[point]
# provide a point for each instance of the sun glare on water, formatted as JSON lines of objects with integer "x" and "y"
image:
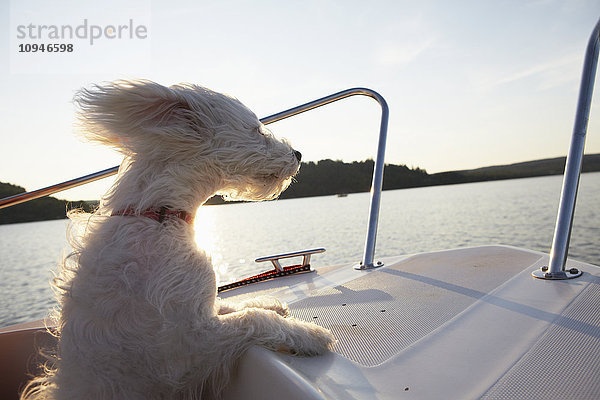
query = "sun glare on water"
{"x": 204, "y": 227}
{"x": 207, "y": 239}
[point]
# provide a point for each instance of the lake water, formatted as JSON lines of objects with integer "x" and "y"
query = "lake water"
{"x": 519, "y": 212}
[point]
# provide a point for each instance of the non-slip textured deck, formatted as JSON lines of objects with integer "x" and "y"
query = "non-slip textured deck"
{"x": 378, "y": 315}
{"x": 566, "y": 359}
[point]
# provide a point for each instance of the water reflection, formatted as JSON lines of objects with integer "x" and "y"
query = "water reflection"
{"x": 207, "y": 239}
{"x": 518, "y": 212}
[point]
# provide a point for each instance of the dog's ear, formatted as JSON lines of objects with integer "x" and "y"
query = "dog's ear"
{"x": 128, "y": 115}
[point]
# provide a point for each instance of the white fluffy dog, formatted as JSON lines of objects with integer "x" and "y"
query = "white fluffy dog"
{"x": 139, "y": 316}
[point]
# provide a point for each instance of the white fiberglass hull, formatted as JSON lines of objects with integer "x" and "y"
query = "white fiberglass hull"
{"x": 458, "y": 324}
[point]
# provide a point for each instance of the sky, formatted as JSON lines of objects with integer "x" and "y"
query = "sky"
{"x": 468, "y": 83}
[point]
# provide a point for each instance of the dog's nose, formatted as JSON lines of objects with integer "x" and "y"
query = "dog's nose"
{"x": 298, "y": 155}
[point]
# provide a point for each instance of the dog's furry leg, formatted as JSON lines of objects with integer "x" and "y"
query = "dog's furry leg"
{"x": 269, "y": 329}
{"x": 266, "y": 303}
{"x": 223, "y": 307}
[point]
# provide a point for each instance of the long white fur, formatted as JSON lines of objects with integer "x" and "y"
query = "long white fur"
{"x": 139, "y": 317}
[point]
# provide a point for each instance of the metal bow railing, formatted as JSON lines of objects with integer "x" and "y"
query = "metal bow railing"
{"x": 376, "y": 187}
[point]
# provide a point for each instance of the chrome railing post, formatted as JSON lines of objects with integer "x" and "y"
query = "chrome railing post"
{"x": 566, "y": 209}
{"x": 376, "y": 188}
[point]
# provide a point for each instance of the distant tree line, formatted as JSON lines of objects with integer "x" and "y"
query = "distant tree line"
{"x": 42, "y": 209}
{"x": 528, "y": 169}
{"x": 326, "y": 177}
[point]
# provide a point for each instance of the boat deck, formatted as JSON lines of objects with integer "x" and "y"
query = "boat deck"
{"x": 458, "y": 324}
{"x": 465, "y": 323}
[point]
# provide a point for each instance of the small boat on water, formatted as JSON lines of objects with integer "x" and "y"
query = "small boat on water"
{"x": 492, "y": 322}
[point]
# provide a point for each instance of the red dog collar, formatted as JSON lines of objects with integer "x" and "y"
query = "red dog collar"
{"x": 158, "y": 214}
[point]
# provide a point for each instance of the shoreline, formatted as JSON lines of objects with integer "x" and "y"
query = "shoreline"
{"x": 324, "y": 178}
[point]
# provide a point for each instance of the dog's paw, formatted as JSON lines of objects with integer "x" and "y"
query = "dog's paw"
{"x": 316, "y": 341}
{"x": 268, "y": 303}
{"x": 280, "y": 308}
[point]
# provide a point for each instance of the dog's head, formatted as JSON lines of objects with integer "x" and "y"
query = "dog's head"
{"x": 199, "y": 135}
